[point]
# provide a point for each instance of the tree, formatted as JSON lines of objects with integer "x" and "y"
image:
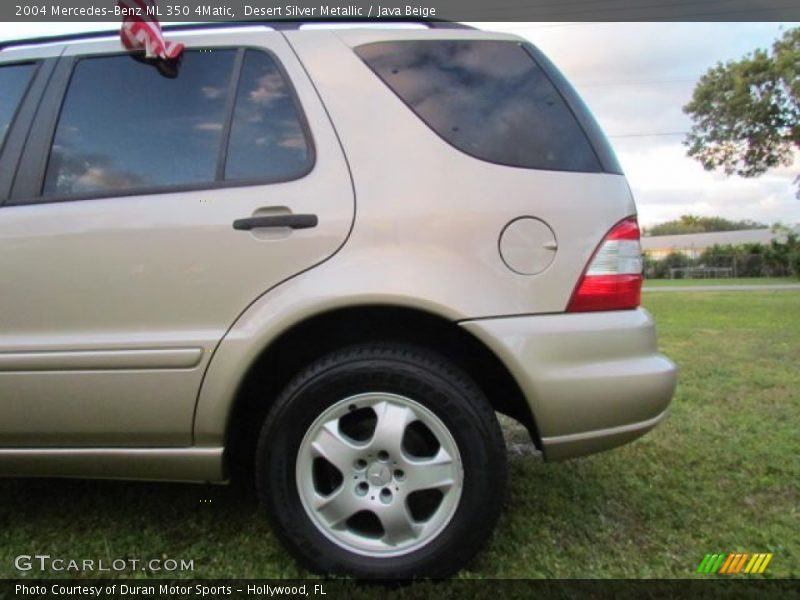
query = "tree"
{"x": 746, "y": 113}
{"x": 795, "y": 263}
{"x": 660, "y": 269}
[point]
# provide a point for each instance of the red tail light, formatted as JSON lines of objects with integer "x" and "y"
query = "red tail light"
{"x": 613, "y": 278}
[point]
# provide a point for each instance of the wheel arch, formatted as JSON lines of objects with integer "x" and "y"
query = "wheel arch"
{"x": 322, "y": 332}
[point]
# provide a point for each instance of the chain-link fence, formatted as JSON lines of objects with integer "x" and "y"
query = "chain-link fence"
{"x": 680, "y": 266}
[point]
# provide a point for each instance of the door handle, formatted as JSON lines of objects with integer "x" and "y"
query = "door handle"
{"x": 291, "y": 221}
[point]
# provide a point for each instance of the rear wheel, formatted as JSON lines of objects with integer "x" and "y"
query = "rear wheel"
{"x": 382, "y": 461}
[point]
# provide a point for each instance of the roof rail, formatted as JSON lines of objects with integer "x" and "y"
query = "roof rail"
{"x": 276, "y": 25}
{"x": 431, "y": 24}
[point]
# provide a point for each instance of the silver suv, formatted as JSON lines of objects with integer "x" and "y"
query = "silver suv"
{"x": 327, "y": 257}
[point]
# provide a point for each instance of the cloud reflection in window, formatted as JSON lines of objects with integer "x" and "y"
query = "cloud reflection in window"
{"x": 267, "y": 139}
{"x": 124, "y": 126}
{"x": 487, "y": 98}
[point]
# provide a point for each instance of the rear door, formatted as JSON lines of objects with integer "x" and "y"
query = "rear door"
{"x": 119, "y": 260}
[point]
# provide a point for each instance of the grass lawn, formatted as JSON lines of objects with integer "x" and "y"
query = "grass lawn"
{"x": 653, "y": 283}
{"x": 721, "y": 474}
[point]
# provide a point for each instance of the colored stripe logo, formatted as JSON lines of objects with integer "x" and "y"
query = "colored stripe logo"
{"x": 735, "y": 562}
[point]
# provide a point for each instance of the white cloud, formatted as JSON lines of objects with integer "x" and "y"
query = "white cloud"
{"x": 667, "y": 184}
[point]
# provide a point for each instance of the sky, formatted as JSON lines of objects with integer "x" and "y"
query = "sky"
{"x": 636, "y": 77}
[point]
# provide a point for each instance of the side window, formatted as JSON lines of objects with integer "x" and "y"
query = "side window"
{"x": 124, "y": 126}
{"x": 489, "y": 99}
{"x": 14, "y": 80}
{"x": 267, "y": 137}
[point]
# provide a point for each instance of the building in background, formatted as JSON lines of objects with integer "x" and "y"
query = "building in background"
{"x": 745, "y": 253}
{"x": 692, "y": 245}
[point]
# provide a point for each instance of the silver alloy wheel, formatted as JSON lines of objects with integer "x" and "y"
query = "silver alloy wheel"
{"x": 380, "y": 475}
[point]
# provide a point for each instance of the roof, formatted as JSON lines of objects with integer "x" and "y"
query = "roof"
{"x": 704, "y": 240}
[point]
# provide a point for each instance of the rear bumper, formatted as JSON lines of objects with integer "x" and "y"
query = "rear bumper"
{"x": 592, "y": 380}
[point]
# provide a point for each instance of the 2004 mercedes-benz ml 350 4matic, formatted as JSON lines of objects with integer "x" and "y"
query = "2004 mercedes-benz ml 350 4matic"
{"x": 335, "y": 252}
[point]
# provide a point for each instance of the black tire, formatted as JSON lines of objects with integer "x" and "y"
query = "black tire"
{"x": 431, "y": 381}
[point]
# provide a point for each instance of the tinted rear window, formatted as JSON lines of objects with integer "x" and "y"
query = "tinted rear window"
{"x": 489, "y": 99}
{"x": 14, "y": 81}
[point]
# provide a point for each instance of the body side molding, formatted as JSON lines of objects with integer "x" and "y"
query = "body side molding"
{"x": 190, "y": 464}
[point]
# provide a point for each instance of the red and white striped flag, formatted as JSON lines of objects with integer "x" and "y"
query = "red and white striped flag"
{"x": 142, "y": 31}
